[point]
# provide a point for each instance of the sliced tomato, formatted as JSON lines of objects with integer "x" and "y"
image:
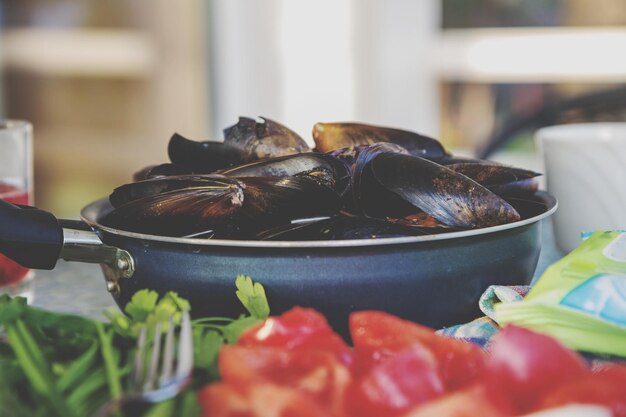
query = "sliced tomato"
{"x": 256, "y": 400}
{"x": 405, "y": 379}
{"x": 318, "y": 374}
{"x": 527, "y": 364}
{"x": 377, "y": 335}
{"x": 298, "y": 328}
{"x": 606, "y": 387}
{"x": 476, "y": 400}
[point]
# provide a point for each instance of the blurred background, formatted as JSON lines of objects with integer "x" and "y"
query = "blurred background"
{"x": 107, "y": 83}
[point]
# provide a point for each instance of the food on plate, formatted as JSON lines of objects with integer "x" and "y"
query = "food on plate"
{"x": 400, "y": 368}
{"x": 294, "y": 364}
{"x": 539, "y": 364}
{"x": 356, "y": 170}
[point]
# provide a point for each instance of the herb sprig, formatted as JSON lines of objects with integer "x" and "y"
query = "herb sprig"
{"x": 57, "y": 364}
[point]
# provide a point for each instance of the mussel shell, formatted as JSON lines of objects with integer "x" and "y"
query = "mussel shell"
{"x": 350, "y": 155}
{"x": 451, "y": 198}
{"x": 370, "y": 197}
{"x": 291, "y": 165}
{"x": 423, "y": 221}
{"x": 175, "y": 206}
{"x": 272, "y": 201}
{"x": 502, "y": 180}
{"x": 521, "y": 188}
{"x": 263, "y": 138}
{"x": 149, "y": 187}
{"x": 162, "y": 170}
{"x": 202, "y": 157}
{"x": 487, "y": 174}
{"x": 339, "y": 227}
{"x": 331, "y": 136}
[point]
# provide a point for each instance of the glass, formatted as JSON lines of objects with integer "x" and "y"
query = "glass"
{"x": 16, "y": 186}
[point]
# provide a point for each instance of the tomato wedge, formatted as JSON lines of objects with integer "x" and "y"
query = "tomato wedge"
{"x": 527, "y": 364}
{"x": 317, "y": 374}
{"x": 298, "y": 328}
{"x": 475, "y": 400}
{"x": 257, "y": 400}
{"x": 606, "y": 387}
{"x": 403, "y": 380}
{"x": 377, "y": 335}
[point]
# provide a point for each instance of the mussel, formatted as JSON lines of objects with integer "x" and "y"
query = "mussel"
{"x": 175, "y": 206}
{"x": 501, "y": 179}
{"x": 331, "y": 136}
{"x": 202, "y": 157}
{"x": 297, "y": 164}
{"x": 246, "y": 141}
{"x": 451, "y": 198}
{"x": 263, "y": 138}
{"x": 272, "y": 201}
{"x": 340, "y": 227}
{"x": 161, "y": 170}
{"x": 365, "y": 182}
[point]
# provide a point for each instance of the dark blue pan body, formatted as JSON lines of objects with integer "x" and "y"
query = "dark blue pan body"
{"x": 435, "y": 280}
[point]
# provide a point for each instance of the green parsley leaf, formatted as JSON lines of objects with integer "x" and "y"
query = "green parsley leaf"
{"x": 141, "y": 305}
{"x": 252, "y": 296}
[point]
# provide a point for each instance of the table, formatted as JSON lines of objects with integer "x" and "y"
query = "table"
{"x": 80, "y": 288}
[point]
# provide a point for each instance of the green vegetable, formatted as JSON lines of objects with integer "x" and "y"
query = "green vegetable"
{"x": 55, "y": 364}
{"x": 252, "y": 296}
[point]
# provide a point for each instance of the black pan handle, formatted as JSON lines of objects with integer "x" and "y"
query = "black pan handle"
{"x": 30, "y": 236}
{"x": 36, "y": 239}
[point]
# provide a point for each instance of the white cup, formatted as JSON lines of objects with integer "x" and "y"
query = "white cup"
{"x": 585, "y": 167}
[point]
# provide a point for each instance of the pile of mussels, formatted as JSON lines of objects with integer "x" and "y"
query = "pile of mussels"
{"x": 263, "y": 182}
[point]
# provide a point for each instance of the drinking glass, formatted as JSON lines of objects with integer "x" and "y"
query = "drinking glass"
{"x": 16, "y": 186}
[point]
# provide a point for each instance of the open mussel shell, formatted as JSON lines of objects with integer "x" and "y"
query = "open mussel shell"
{"x": 291, "y": 165}
{"x": 502, "y": 180}
{"x": 202, "y": 157}
{"x": 263, "y": 138}
{"x": 175, "y": 206}
{"x": 272, "y": 201}
{"x": 339, "y": 227}
{"x": 161, "y": 170}
{"x": 330, "y": 136}
{"x": 149, "y": 187}
{"x": 370, "y": 197}
{"x": 451, "y": 198}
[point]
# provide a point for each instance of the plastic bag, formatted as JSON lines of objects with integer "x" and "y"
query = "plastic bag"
{"x": 581, "y": 299}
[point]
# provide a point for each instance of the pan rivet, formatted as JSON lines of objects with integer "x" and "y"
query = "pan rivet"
{"x": 113, "y": 288}
{"x": 122, "y": 264}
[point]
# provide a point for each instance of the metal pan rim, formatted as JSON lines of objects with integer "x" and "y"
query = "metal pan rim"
{"x": 90, "y": 213}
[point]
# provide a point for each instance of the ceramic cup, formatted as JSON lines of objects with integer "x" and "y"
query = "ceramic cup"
{"x": 585, "y": 168}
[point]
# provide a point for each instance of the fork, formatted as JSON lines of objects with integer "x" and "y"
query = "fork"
{"x": 167, "y": 373}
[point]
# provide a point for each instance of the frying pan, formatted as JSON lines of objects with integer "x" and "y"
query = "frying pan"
{"x": 435, "y": 280}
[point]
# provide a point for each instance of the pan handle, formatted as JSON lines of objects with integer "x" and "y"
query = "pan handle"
{"x": 29, "y": 236}
{"x": 36, "y": 239}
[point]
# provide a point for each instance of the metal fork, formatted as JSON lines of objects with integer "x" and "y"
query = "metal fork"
{"x": 166, "y": 374}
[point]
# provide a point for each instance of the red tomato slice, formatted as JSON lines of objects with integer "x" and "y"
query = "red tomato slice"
{"x": 377, "y": 335}
{"x": 526, "y": 364}
{"x": 606, "y": 387}
{"x": 403, "y": 380}
{"x": 257, "y": 400}
{"x": 298, "y": 328}
{"x": 317, "y": 374}
{"x": 475, "y": 400}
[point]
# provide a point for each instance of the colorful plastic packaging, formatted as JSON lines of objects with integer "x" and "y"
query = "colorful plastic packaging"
{"x": 581, "y": 299}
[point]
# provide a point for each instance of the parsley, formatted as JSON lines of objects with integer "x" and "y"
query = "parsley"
{"x": 252, "y": 296}
{"x": 57, "y": 364}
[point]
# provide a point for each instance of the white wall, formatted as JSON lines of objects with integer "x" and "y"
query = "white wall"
{"x": 304, "y": 61}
